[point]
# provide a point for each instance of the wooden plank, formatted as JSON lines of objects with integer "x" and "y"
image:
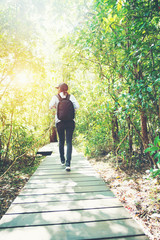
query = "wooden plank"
{"x": 60, "y": 171}
{"x": 47, "y": 149}
{"x": 139, "y": 237}
{"x": 49, "y": 183}
{"x": 65, "y": 175}
{"x": 92, "y": 230}
{"x": 62, "y": 184}
{"x": 58, "y": 163}
{"x": 79, "y": 180}
{"x": 75, "y": 157}
{"x": 65, "y": 206}
{"x": 67, "y": 189}
{"x": 55, "y": 159}
{"x": 56, "y": 156}
{"x": 63, "y": 197}
{"x": 63, "y": 217}
{"x": 58, "y": 166}
{"x": 68, "y": 176}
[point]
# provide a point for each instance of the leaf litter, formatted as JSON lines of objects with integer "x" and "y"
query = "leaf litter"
{"x": 138, "y": 194}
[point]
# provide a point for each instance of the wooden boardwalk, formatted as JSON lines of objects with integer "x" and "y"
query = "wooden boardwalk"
{"x": 60, "y": 205}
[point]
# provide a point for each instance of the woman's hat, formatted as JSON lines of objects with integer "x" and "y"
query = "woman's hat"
{"x": 63, "y": 87}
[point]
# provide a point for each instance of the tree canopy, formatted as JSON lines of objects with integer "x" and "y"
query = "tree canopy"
{"x": 107, "y": 52}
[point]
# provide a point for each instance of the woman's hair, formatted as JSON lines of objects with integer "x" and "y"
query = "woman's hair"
{"x": 63, "y": 88}
{"x": 65, "y": 93}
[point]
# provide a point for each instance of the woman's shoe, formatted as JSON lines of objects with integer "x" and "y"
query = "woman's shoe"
{"x": 68, "y": 169}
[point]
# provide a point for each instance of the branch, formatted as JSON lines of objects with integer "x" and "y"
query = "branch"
{"x": 89, "y": 60}
{"x": 128, "y": 118}
{"x": 33, "y": 146}
{"x": 121, "y": 143}
{"x": 5, "y": 75}
{"x": 10, "y": 135}
{"x": 5, "y": 90}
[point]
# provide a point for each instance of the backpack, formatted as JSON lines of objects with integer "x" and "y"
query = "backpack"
{"x": 65, "y": 109}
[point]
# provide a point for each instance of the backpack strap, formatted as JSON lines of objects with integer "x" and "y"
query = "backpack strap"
{"x": 68, "y": 96}
{"x": 60, "y": 98}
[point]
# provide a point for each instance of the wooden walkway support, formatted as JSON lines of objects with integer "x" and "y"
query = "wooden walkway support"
{"x": 60, "y": 205}
{"x": 47, "y": 149}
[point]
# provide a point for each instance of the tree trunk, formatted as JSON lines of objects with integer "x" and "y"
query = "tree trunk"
{"x": 144, "y": 128}
{"x": 145, "y": 135}
{"x": 115, "y": 131}
{"x": 130, "y": 139}
{"x": 159, "y": 109}
{"x": 159, "y": 115}
{"x": 53, "y": 135}
{"x": 9, "y": 139}
{"x": 0, "y": 148}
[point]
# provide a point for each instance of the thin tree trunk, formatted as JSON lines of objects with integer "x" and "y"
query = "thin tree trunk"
{"x": 115, "y": 131}
{"x": 159, "y": 110}
{"x": 9, "y": 139}
{"x": 145, "y": 139}
{"x": 130, "y": 139}
{"x": 0, "y": 148}
{"x": 159, "y": 115}
{"x": 144, "y": 128}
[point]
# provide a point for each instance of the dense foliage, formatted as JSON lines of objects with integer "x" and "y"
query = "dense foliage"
{"x": 30, "y": 67}
{"x": 23, "y": 94}
{"x": 116, "y": 50}
{"x": 109, "y": 57}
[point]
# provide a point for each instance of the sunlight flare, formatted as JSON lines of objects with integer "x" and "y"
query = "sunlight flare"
{"x": 23, "y": 78}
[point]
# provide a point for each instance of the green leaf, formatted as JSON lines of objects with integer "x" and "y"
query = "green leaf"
{"x": 149, "y": 89}
{"x": 150, "y": 144}
{"x": 157, "y": 141}
{"x": 157, "y": 155}
{"x": 155, "y": 148}
{"x": 147, "y": 150}
{"x": 152, "y": 149}
{"x": 152, "y": 152}
{"x": 119, "y": 5}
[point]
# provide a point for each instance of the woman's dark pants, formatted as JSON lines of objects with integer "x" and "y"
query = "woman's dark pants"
{"x": 65, "y": 129}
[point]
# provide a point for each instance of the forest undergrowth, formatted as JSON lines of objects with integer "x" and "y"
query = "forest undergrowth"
{"x": 13, "y": 181}
{"x": 138, "y": 193}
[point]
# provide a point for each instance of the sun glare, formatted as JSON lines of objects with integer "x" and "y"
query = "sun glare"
{"x": 23, "y": 78}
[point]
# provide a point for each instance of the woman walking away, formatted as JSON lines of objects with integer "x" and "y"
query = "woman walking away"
{"x": 65, "y": 105}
